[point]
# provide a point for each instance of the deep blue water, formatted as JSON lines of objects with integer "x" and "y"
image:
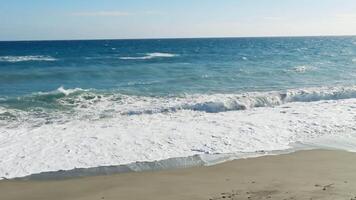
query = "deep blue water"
{"x": 176, "y": 66}
{"x": 46, "y": 82}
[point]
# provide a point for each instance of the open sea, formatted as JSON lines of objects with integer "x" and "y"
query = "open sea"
{"x": 72, "y": 104}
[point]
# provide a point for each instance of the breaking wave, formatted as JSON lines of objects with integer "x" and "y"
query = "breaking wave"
{"x": 14, "y": 59}
{"x": 79, "y": 124}
{"x": 150, "y": 56}
{"x": 232, "y": 102}
{"x": 111, "y": 103}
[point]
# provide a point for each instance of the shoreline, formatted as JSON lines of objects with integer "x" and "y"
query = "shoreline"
{"x": 307, "y": 174}
{"x": 199, "y": 160}
{"x": 176, "y": 163}
{"x": 87, "y": 143}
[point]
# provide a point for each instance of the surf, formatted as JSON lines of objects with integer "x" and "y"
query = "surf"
{"x": 14, "y": 59}
{"x": 149, "y": 56}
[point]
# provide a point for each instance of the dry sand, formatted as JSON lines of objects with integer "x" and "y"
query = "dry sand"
{"x": 307, "y": 175}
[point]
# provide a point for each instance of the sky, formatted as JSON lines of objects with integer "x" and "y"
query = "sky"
{"x": 124, "y": 19}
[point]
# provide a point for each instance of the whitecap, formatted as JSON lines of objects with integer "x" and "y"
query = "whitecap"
{"x": 216, "y": 103}
{"x": 210, "y": 103}
{"x": 68, "y": 91}
{"x": 90, "y": 101}
{"x": 26, "y": 58}
{"x": 150, "y": 56}
{"x": 60, "y": 90}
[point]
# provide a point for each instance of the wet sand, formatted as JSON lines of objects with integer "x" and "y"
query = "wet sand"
{"x": 318, "y": 174}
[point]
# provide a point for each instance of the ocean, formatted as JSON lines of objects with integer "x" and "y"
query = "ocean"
{"x": 89, "y": 103}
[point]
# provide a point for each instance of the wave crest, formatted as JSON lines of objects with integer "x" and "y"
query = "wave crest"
{"x": 13, "y": 59}
{"x": 64, "y": 105}
{"x": 98, "y": 104}
{"x": 68, "y": 91}
{"x": 150, "y": 56}
{"x": 232, "y": 102}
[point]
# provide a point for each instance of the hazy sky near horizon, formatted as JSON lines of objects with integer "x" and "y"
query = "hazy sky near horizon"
{"x": 99, "y": 19}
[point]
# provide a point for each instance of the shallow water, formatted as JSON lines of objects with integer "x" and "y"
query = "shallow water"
{"x": 67, "y": 104}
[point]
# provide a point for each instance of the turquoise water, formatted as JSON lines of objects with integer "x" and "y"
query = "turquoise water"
{"x": 176, "y": 66}
{"x": 32, "y": 72}
{"x": 83, "y": 104}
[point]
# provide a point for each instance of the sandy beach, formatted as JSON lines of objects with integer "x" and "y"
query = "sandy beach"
{"x": 318, "y": 174}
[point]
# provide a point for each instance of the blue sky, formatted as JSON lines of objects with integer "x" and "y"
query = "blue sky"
{"x": 101, "y": 19}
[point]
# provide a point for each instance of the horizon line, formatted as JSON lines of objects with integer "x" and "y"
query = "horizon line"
{"x": 176, "y": 38}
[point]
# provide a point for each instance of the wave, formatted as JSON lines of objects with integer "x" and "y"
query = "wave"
{"x": 79, "y": 142}
{"x": 68, "y": 91}
{"x": 233, "y": 102}
{"x": 150, "y": 56}
{"x": 26, "y": 58}
{"x": 98, "y": 102}
{"x": 141, "y": 128}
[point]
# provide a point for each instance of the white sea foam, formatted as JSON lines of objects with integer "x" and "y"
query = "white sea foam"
{"x": 126, "y": 139}
{"x": 354, "y": 60}
{"x": 88, "y": 101}
{"x": 99, "y": 133}
{"x": 60, "y": 90}
{"x": 150, "y": 56}
{"x": 230, "y": 102}
{"x": 26, "y": 58}
{"x": 68, "y": 91}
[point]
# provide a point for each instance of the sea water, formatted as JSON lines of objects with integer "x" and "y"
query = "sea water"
{"x": 70, "y": 104}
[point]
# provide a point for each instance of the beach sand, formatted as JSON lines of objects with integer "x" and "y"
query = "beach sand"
{"x": 317, "y": 174}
